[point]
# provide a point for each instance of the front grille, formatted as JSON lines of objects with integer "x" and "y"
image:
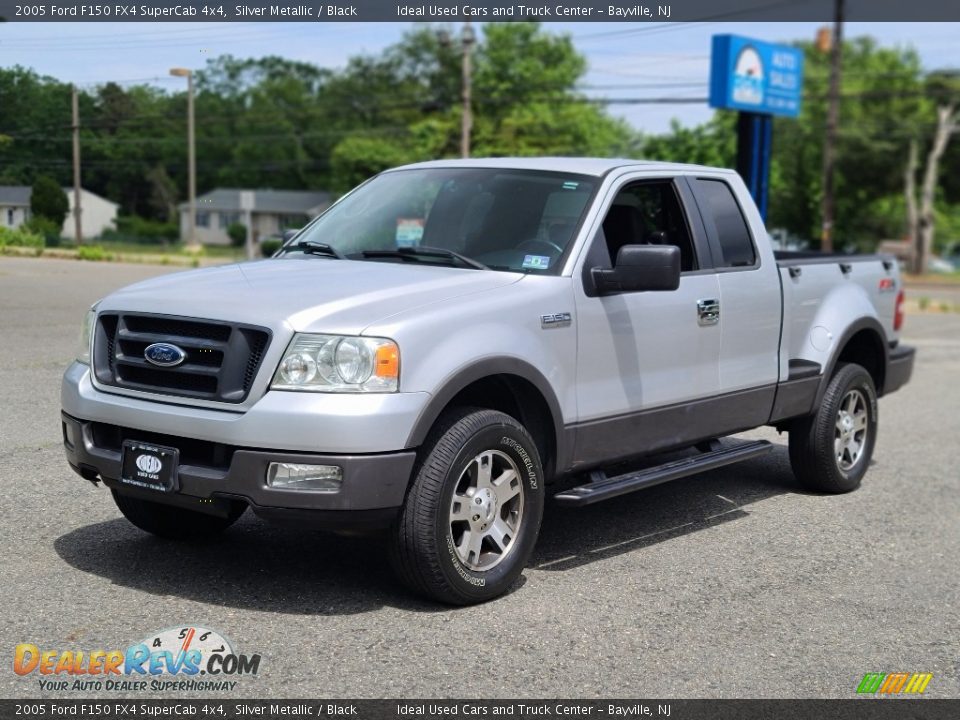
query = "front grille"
{"x": 222, "y": 359}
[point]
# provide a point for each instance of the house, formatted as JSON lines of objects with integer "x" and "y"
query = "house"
{"x": 98, "y": 214}
{"x": 271, "y": 212}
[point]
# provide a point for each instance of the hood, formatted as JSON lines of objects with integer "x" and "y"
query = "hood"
{"x": 307, "y": 295}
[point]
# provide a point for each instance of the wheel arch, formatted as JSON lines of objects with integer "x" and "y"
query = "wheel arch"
{"x": 863, "y": 342}
{"x": 509, "y": 385}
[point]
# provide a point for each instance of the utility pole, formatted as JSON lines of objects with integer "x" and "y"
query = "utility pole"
{"x": 77, "y": 225}
{"x": 466, "y": 121}
{"x": 830, "y": 140}
{"x": 191, "y": 158}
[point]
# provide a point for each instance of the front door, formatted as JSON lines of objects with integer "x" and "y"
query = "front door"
{"x": 643, "y": 351}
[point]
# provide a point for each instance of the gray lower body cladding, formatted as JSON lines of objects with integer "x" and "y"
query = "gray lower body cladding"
{"x": 210, "y": 476}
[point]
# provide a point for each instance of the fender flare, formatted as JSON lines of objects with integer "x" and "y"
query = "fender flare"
{"x": 488, "y": 367}
{"x": 864, "y": 323}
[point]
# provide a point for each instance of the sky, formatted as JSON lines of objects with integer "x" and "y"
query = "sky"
{"x": 626, "y": 60}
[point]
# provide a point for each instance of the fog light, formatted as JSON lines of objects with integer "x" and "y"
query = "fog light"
{"x": 68, "y": 435}
{"x": 313, "y": 478}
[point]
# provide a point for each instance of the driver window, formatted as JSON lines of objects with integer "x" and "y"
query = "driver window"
{"x": 648, "y": 213}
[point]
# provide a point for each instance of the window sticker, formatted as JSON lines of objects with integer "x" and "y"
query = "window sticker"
{"x": 535, "y": 262}
{"x": 570, "y": 185}
{"x": 409, "y": 232}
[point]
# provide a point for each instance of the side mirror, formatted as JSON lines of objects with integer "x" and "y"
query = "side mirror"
{"x": 287, "y": 234}
{"x": 640, "y": 268}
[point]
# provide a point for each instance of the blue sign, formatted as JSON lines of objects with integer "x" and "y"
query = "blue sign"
{"x": 755, "y": 76}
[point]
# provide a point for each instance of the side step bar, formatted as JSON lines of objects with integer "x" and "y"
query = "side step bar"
{"x": 602, "y": 487}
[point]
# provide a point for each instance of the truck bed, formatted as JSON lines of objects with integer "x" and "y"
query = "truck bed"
{"x": 817, "y": 287}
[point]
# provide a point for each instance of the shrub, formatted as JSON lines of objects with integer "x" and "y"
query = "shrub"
{"x": 47, "y": 199}
{"x": 21, "y": 237}
{"x": 269, "y": 246}
{"x": 93, "y": 252}
{"x": 238, "y": 234}
{"x": 135, "y": 229}
{"x": 46, "y": 228}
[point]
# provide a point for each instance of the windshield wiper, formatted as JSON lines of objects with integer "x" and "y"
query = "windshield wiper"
{"x": 312, "y": 247}
{"x": 424, "y": 251}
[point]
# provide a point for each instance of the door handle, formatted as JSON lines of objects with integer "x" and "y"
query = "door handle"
{"x": 708, "y": 311}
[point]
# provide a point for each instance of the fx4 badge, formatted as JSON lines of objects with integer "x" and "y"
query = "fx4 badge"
{"x": 555, "y": 320}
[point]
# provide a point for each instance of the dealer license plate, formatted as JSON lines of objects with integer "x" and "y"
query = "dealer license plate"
{"x": 153, "y": 467}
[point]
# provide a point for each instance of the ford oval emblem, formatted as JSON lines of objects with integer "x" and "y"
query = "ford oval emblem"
{"x": 164, "y": 354}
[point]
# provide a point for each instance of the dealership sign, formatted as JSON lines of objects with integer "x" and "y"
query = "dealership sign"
{"x": 755, "y": 76}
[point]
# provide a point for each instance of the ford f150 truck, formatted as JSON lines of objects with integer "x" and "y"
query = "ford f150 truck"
{"x": 454, "y": 341}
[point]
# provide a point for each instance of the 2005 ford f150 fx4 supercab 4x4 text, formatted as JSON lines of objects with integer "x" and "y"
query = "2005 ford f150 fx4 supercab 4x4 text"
{"x": 453, "y": 341}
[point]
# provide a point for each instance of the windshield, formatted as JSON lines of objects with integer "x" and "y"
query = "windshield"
{"x": 516, "y": 220}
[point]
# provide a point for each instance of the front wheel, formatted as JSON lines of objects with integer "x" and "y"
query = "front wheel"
{"x": 473, "y": 513}
{"x": 831, "y": 450}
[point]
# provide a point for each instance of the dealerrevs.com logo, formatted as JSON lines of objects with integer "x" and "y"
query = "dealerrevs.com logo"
{"x": 181, "y": 658}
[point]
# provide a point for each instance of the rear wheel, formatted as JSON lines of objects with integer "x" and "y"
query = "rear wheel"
{"x": 831, "y": 450}
{"x": 473, "y": 513}
{"x": 171, "y": 522}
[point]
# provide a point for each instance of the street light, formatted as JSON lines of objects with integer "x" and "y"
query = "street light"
{"x": 191, "y": 157}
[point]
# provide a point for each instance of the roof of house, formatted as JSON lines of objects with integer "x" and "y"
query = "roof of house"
{"x": 19, "y": 195}
{"x": 290, "y": 202}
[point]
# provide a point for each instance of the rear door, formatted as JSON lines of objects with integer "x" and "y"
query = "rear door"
{"x": 750, "y": 299}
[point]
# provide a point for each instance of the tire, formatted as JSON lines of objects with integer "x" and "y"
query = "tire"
{"x": 444, "y": 542}
{"x": 171, "y": 522}
{"x": 830, "y": 450}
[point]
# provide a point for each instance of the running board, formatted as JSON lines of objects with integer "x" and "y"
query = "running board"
{"x": 602, "y": 487}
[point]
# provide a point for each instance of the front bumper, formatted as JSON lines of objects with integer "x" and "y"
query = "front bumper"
{"x": 224, "y": 455}
{"x": 899, "y": 368}
{"x": 373, "y": 485}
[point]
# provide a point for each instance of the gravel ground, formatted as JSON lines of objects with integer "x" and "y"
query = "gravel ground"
{"x": 735, "y": 583}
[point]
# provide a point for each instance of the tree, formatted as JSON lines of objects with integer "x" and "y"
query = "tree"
{"x": 883, "y": 106}
{"x": 945, "y": 92}
{"x": 48, "y": 200}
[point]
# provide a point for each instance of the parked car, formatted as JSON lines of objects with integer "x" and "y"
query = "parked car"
{"x": 454, "y": 341}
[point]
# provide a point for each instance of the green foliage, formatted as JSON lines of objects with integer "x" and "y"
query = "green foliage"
{"x": 238, "y": 234}
{"x": 885, "y": 102}
{"x": 273, "y": 122}
{"x": 48, "y": 200}
{"x": 94, "y": 253}
{"x": 357, "y": 158}
{"x": 139, "y": 230}
{"x": 713, "y": 143}
{"x": 46, "y": 228}
{"x": 20, "y": 237}
{"x": 947, "y": 226}
{"x": 269, "y": 246}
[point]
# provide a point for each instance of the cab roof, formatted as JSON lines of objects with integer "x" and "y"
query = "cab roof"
{"x": 579, "y": 165}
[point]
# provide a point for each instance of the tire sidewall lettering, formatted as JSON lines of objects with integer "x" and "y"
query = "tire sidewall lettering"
{"x": 525, "y": 458}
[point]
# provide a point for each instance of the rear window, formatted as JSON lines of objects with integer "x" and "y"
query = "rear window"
{"x": 729, "y": 225}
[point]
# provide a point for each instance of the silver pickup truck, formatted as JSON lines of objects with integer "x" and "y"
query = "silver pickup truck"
{"x": 452, "y": 342}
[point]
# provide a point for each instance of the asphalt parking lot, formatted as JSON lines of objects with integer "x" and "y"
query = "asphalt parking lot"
{"x": 735, "y": 583}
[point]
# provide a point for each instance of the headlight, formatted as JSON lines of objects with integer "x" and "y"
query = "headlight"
{"x": 86, "y": 336}
{"x": 334, "y": 363}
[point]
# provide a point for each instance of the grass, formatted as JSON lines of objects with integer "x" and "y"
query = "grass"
{"x": 934, "y": 278}
{"x": 212, "y": 251}
{"x": 129, "y": 253}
